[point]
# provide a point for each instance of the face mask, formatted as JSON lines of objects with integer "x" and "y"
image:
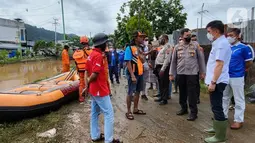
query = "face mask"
{"x": 210, "y": 36}
{"x": 146, "y": 43}
{"x": 231, "y": 40}
{"x": 187, "y": 39}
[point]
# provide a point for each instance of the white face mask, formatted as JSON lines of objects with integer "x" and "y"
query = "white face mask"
{"x": 146, "y": 43}
{"x": 231, "y": 40}
{"x": 210, "y": 36}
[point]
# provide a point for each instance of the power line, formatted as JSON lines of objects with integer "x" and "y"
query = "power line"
{"x": 28, "y": 9}
{"x": 86, "y": 10}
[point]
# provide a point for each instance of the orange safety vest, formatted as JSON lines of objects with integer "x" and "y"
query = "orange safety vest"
{"x": 137, "y": 65}
{"x": 80, "y": 57}
{"x": 80, "y": 60}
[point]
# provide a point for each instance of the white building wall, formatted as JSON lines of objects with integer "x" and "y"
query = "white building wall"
{"x": 11, "y": 31}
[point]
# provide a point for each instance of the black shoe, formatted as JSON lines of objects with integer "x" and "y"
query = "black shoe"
{"x": 112, "y": 82}
{"x": 163, "y": 102}
{"x": 156, "y": 95}
{"x": 158, "y": 100}
{"x": 192, "y": 117}
{"x": 118, "y": 82}
{"x": 182, "y": 112}
{"x": 169, "y": 97}
{"x": 198, "y": 101}
{"x": 150, "y": 88}
{"x": 144, "y": 97}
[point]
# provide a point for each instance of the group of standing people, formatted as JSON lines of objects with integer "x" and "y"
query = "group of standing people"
{"x": 183, "y": 63}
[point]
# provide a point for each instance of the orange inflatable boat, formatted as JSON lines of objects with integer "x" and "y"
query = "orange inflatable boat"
{"x": 38, "y": 98}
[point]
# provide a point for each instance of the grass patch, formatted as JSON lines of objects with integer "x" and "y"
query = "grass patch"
{"x": 203, "y": 87}
{"x": 25, "y": 131}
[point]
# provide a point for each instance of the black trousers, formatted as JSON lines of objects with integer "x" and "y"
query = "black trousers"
{"x": 164, "y": 84}
{"x": 198, "y": 87}
{"x": 216, "y": 102}
{"x": 156, "y": 72}
{"x": 113, "y": 70}
{"x": 188, "y": 90}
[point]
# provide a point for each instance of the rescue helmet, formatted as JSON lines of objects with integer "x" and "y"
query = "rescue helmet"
{"x": 100, "y": 39}
{"x": 84, "y": 39}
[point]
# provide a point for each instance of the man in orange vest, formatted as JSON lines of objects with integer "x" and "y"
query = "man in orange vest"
{"x": 65, "y": 60}
{"x": 134, "y": 58}
{"x": 80, "y": 57}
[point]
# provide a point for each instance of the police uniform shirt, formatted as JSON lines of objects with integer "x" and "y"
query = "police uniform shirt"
{"x": 168, "y": 58}
{"x": 187, "y": 59}
{"x": 162, "y": 55}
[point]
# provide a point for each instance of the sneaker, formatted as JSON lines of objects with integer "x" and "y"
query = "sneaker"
{"x": 144, "y": 97}
{"x": 232, "y": 107}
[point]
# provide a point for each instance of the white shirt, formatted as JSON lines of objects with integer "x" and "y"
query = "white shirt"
{"x": 221, "y": 50}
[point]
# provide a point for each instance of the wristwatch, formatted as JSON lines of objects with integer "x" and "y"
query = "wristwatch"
{"x": 213, "y": 82}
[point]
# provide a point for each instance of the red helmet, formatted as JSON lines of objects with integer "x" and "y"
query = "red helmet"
{"x": 84, "y": 39}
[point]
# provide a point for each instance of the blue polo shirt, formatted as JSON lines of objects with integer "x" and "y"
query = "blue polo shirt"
{"x": 240, "y": 54}
{"x": 121, "y": 56}
{"x": 113, "y": 60}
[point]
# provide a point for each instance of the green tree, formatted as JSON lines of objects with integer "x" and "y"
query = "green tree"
{"x": 39, "y": 45}
{"x": 3, "y": 55}
{"x": 50, "y": 44}
{"x": 164, "y": 16}
{"x": 133, "y": 25}
{"x": 74, "y": 41}
{"x": 28, "y": 52}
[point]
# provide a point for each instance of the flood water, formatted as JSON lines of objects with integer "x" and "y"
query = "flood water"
{"x": 13, "y": 75}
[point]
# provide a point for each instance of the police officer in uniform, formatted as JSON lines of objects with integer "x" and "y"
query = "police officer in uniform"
{"x": 187, "y": 61}
{"x": 163, "y": 61}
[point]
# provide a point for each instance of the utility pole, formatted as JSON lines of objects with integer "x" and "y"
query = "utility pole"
{"x": 201, "y": 13}
{"x": 197, "y": 29}
{"x": 55, "y": 23}
{"x": 252, "y": 13}
{"x": 63, "y": 19}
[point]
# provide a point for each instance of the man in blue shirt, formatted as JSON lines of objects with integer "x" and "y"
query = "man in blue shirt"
{"x": 241, "y": 58}
{"x": 121, "y": 54}
{"x": 134, "y": 58}
{"x": 217, "y": 78}
{"x": 113, "y": 61}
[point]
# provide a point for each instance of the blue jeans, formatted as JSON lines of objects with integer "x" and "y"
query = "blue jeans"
{"x": 170, "y": 88}
{"x": 101, "y": 104}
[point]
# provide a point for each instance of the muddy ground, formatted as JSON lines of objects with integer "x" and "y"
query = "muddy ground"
{"x": 160, "y": 125}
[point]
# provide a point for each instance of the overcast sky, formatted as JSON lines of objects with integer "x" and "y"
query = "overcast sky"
{"x": 85, "y": 16}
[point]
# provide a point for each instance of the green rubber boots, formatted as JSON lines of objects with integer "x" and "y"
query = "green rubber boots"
{"x": 219, "y": 129}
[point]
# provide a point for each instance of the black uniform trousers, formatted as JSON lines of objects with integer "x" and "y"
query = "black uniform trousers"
{"x": 198, "y": 87}
{"x": 188, "y": 90}
{"x": 164, "y": 84}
